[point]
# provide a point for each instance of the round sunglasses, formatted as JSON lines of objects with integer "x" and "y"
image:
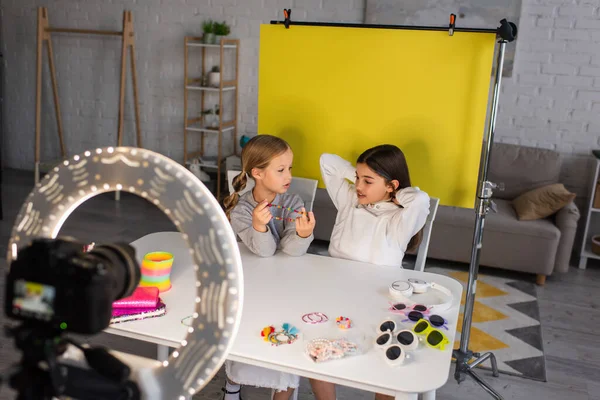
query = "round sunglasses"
{"x": 403, "y": 308}
{"x": 435, "y": 320}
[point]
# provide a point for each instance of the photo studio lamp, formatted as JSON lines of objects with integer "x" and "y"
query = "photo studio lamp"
{"x": 110, "y": 271}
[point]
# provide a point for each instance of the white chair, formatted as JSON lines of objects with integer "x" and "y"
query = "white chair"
{"x": 303, "y": 187}
{"x": 424, "y": 246}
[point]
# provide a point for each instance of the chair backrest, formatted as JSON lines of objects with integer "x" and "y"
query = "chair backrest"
{"x": 303, "y": 187}
{"x": 434, "y": 203}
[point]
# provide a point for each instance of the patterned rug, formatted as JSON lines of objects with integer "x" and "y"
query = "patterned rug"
{"x": 506, "y": 321}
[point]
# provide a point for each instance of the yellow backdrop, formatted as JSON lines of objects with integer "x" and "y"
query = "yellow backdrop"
{"x": 343, "y": 90}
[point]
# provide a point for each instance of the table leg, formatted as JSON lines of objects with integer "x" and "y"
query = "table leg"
{"x": 429, "y": 395}
{"x": 406, "y": 396}
{"x": 162, "y": 353}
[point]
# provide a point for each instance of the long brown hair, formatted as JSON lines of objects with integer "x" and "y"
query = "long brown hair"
{"x": 388, "y": 161}
{"x": 257, "y": 153}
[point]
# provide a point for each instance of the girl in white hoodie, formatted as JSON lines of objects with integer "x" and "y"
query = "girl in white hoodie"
{"x": 380, "y": 215}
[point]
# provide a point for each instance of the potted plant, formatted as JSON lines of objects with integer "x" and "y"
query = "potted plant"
{"x": 208, "y": 117}
{"x": 209, "y": 34}
{"x": 220, "y": 29}
{"x": 214, "y": 76}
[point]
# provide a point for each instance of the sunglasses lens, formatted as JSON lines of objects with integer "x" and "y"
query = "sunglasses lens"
{"x": 387, "y": 326}
{"x": 415, "y": 316}
{"x": 434, "y": 338}
{"x": 436, "y": 320}
{"x": 383, "y": 339}
{"x": 399, "y": 306}
{"x": 405, "y": 338}
{"x": 420, "y": 327}
{"x": 420, "y": 307}
{"x": 393, "y": 353}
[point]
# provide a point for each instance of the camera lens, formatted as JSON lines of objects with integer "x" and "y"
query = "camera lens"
{"x": 122, "y": 267}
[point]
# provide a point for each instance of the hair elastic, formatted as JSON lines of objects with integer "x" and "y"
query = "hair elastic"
{"x": 315, "y": 318}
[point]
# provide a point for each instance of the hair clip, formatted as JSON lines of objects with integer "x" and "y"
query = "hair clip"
{"x": 343, "y": 322}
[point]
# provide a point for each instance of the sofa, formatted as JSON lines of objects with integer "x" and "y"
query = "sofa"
{"x": 541, "y": 247}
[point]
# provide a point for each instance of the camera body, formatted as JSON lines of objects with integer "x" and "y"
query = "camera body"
{"x": 55, "y": 283}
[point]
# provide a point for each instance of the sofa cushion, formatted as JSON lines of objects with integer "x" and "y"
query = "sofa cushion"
{"x": 521, "y": 169}
{"x": 542, "y": 202}
{"x": 504, "y": 220}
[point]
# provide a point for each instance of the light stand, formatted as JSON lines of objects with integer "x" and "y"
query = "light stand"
{"x": 507, "y": 33}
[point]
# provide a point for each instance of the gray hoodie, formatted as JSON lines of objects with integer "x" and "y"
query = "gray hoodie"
{"x": 280, "y": 234}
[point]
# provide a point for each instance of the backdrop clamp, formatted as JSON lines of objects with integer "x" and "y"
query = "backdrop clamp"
{"x": 452, "y": 24}
{"x": 286, "y": 15}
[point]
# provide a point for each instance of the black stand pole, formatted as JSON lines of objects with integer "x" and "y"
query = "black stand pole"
{"x": 466, "y": 360}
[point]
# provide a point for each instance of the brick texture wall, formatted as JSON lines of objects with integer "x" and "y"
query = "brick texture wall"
{"x": 552, "y": 100}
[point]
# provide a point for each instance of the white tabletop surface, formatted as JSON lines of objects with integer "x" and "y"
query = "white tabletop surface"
{"x": 281, "y": 289}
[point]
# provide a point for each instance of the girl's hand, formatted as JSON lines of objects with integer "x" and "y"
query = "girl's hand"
{"x": 261, "y": 216}
{"x": 305, "y": 224}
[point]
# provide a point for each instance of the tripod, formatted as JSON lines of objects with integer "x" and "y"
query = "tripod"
{"x": 507, "y": 32}
{"x": 40, "y": 375}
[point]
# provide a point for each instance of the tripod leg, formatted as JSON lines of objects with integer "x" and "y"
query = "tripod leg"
{"x": 482, "y": 358}
{"x": 484, "y": 385}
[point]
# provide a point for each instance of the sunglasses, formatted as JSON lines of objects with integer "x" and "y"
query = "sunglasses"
{"x": 403, "y": 308}
{"x": 386, "y": 326}
{"x": 435, "y": 320}
{"x": 434, "y": 338}
{"x": 395, "y": 355}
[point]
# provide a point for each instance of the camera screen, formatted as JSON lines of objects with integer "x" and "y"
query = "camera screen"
{"x": 33, "y": 299}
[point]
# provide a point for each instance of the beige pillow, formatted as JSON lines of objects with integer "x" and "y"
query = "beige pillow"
{"x": 542, "y": 202}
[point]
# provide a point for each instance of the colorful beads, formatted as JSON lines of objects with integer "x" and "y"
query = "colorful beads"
{"x": 343, "y": 322}
{"x": 287, "y": 208}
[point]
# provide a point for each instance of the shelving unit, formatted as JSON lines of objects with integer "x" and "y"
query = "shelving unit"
{"x": 197, "y": 125}
{"x": 592, "y": 224}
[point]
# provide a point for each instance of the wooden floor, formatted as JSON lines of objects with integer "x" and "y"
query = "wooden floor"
{"x": 569, "y": 306}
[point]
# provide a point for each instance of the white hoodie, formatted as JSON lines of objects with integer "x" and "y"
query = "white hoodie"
{"x": 376, "y": 233}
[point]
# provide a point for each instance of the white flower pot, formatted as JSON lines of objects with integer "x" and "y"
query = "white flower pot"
{"x": 214, "y": 79}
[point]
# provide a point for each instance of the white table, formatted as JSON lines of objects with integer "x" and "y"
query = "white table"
{"x": 281, "y": 289}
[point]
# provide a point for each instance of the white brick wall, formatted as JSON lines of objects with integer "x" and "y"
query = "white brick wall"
{"x": 552, "y": 100}
{"x": 88, "y": 69}
{"x": 556, "y": 84}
